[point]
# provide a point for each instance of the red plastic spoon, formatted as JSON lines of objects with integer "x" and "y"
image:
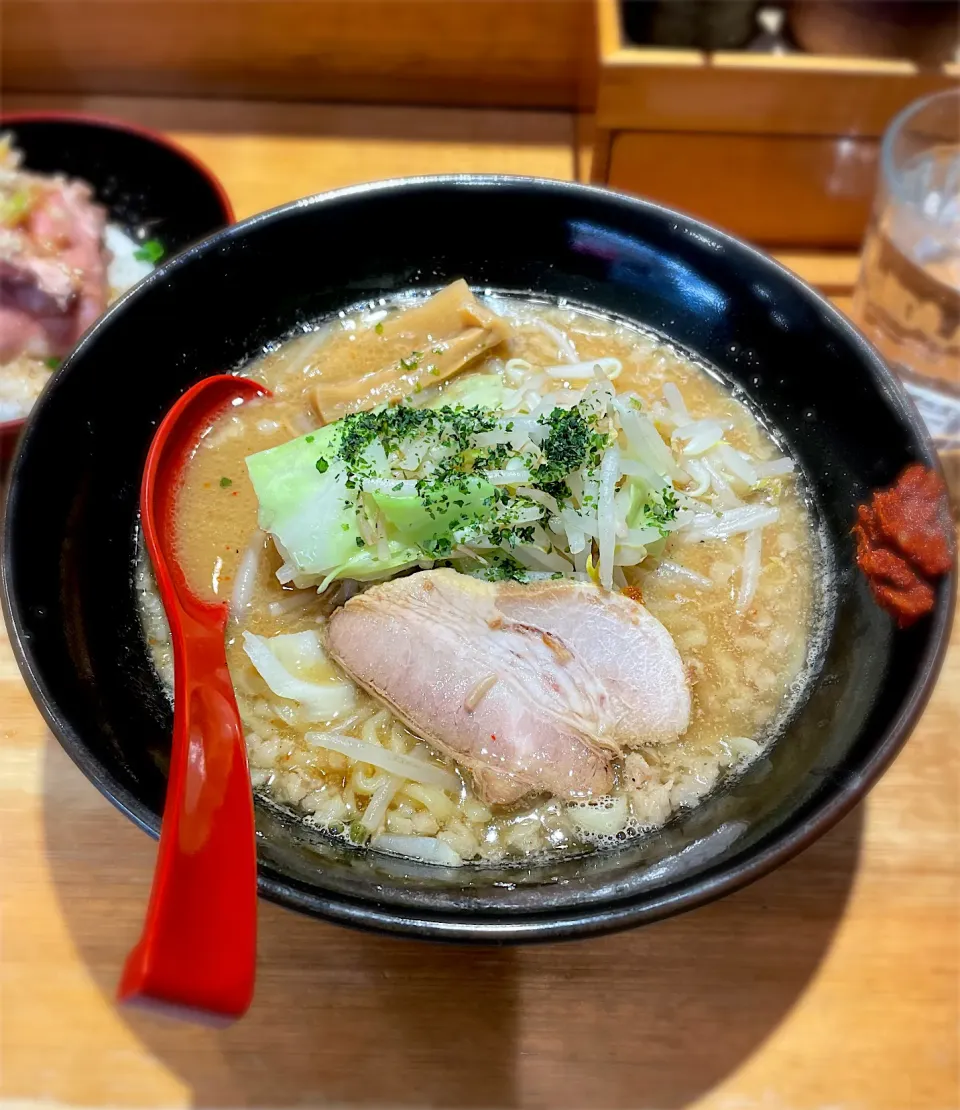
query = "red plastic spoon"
{"x": 198, "y": 948}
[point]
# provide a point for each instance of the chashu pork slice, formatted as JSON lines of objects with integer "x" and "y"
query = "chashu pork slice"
{"x": 53, "y": 273}
{"x": 493, "y": 685}
{"x": 628, "y": 650}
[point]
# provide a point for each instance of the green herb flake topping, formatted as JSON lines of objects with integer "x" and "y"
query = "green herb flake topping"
{"x": 408, "y": 365}
{"x": 572, "y": 444}
{"x": 152, "y": 250}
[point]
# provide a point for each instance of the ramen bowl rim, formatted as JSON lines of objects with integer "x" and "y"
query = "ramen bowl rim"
{"x": 551, "y": 924}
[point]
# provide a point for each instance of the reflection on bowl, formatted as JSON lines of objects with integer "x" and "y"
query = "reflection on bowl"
{"x": 72, "y": 599}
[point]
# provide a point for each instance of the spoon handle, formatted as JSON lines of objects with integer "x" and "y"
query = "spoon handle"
{"x": 198, "y": 947}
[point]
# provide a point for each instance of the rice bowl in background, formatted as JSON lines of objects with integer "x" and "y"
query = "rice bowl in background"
{"x": 61, "y": 264}
{"x": 134, "y": 193}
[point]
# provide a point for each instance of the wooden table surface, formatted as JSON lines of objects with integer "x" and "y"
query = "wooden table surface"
{"x": 829, "y": 985}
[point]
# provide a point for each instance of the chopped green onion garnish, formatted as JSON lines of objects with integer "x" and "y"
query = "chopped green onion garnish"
{"x": 151, "y": 251}
{"x": 15, "y": 208}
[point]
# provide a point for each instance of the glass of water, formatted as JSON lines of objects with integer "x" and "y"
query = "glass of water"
{"x": 907, "y": 298}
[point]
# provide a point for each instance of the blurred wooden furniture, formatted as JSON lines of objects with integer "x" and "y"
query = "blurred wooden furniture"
{"x": 779, "y": 149}
{"x": 782, "y": 150}
{"x": 831, "y": 982}
{"x": 517, "y": 53}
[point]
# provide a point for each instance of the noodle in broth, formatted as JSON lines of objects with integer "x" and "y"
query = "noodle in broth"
{"x": 740, "y": 608}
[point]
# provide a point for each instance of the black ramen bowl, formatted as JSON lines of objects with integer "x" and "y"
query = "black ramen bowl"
{"x": 151, "y": 187}
{"x": 71, "y": 524}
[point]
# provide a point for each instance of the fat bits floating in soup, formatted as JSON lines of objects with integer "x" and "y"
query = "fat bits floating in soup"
{"x": 507, "y": 578}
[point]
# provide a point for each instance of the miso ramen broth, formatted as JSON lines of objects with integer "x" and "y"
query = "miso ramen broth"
{"x": 676, "y": 501}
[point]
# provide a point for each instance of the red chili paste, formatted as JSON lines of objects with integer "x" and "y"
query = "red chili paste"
{"x": 904, "y": 537}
